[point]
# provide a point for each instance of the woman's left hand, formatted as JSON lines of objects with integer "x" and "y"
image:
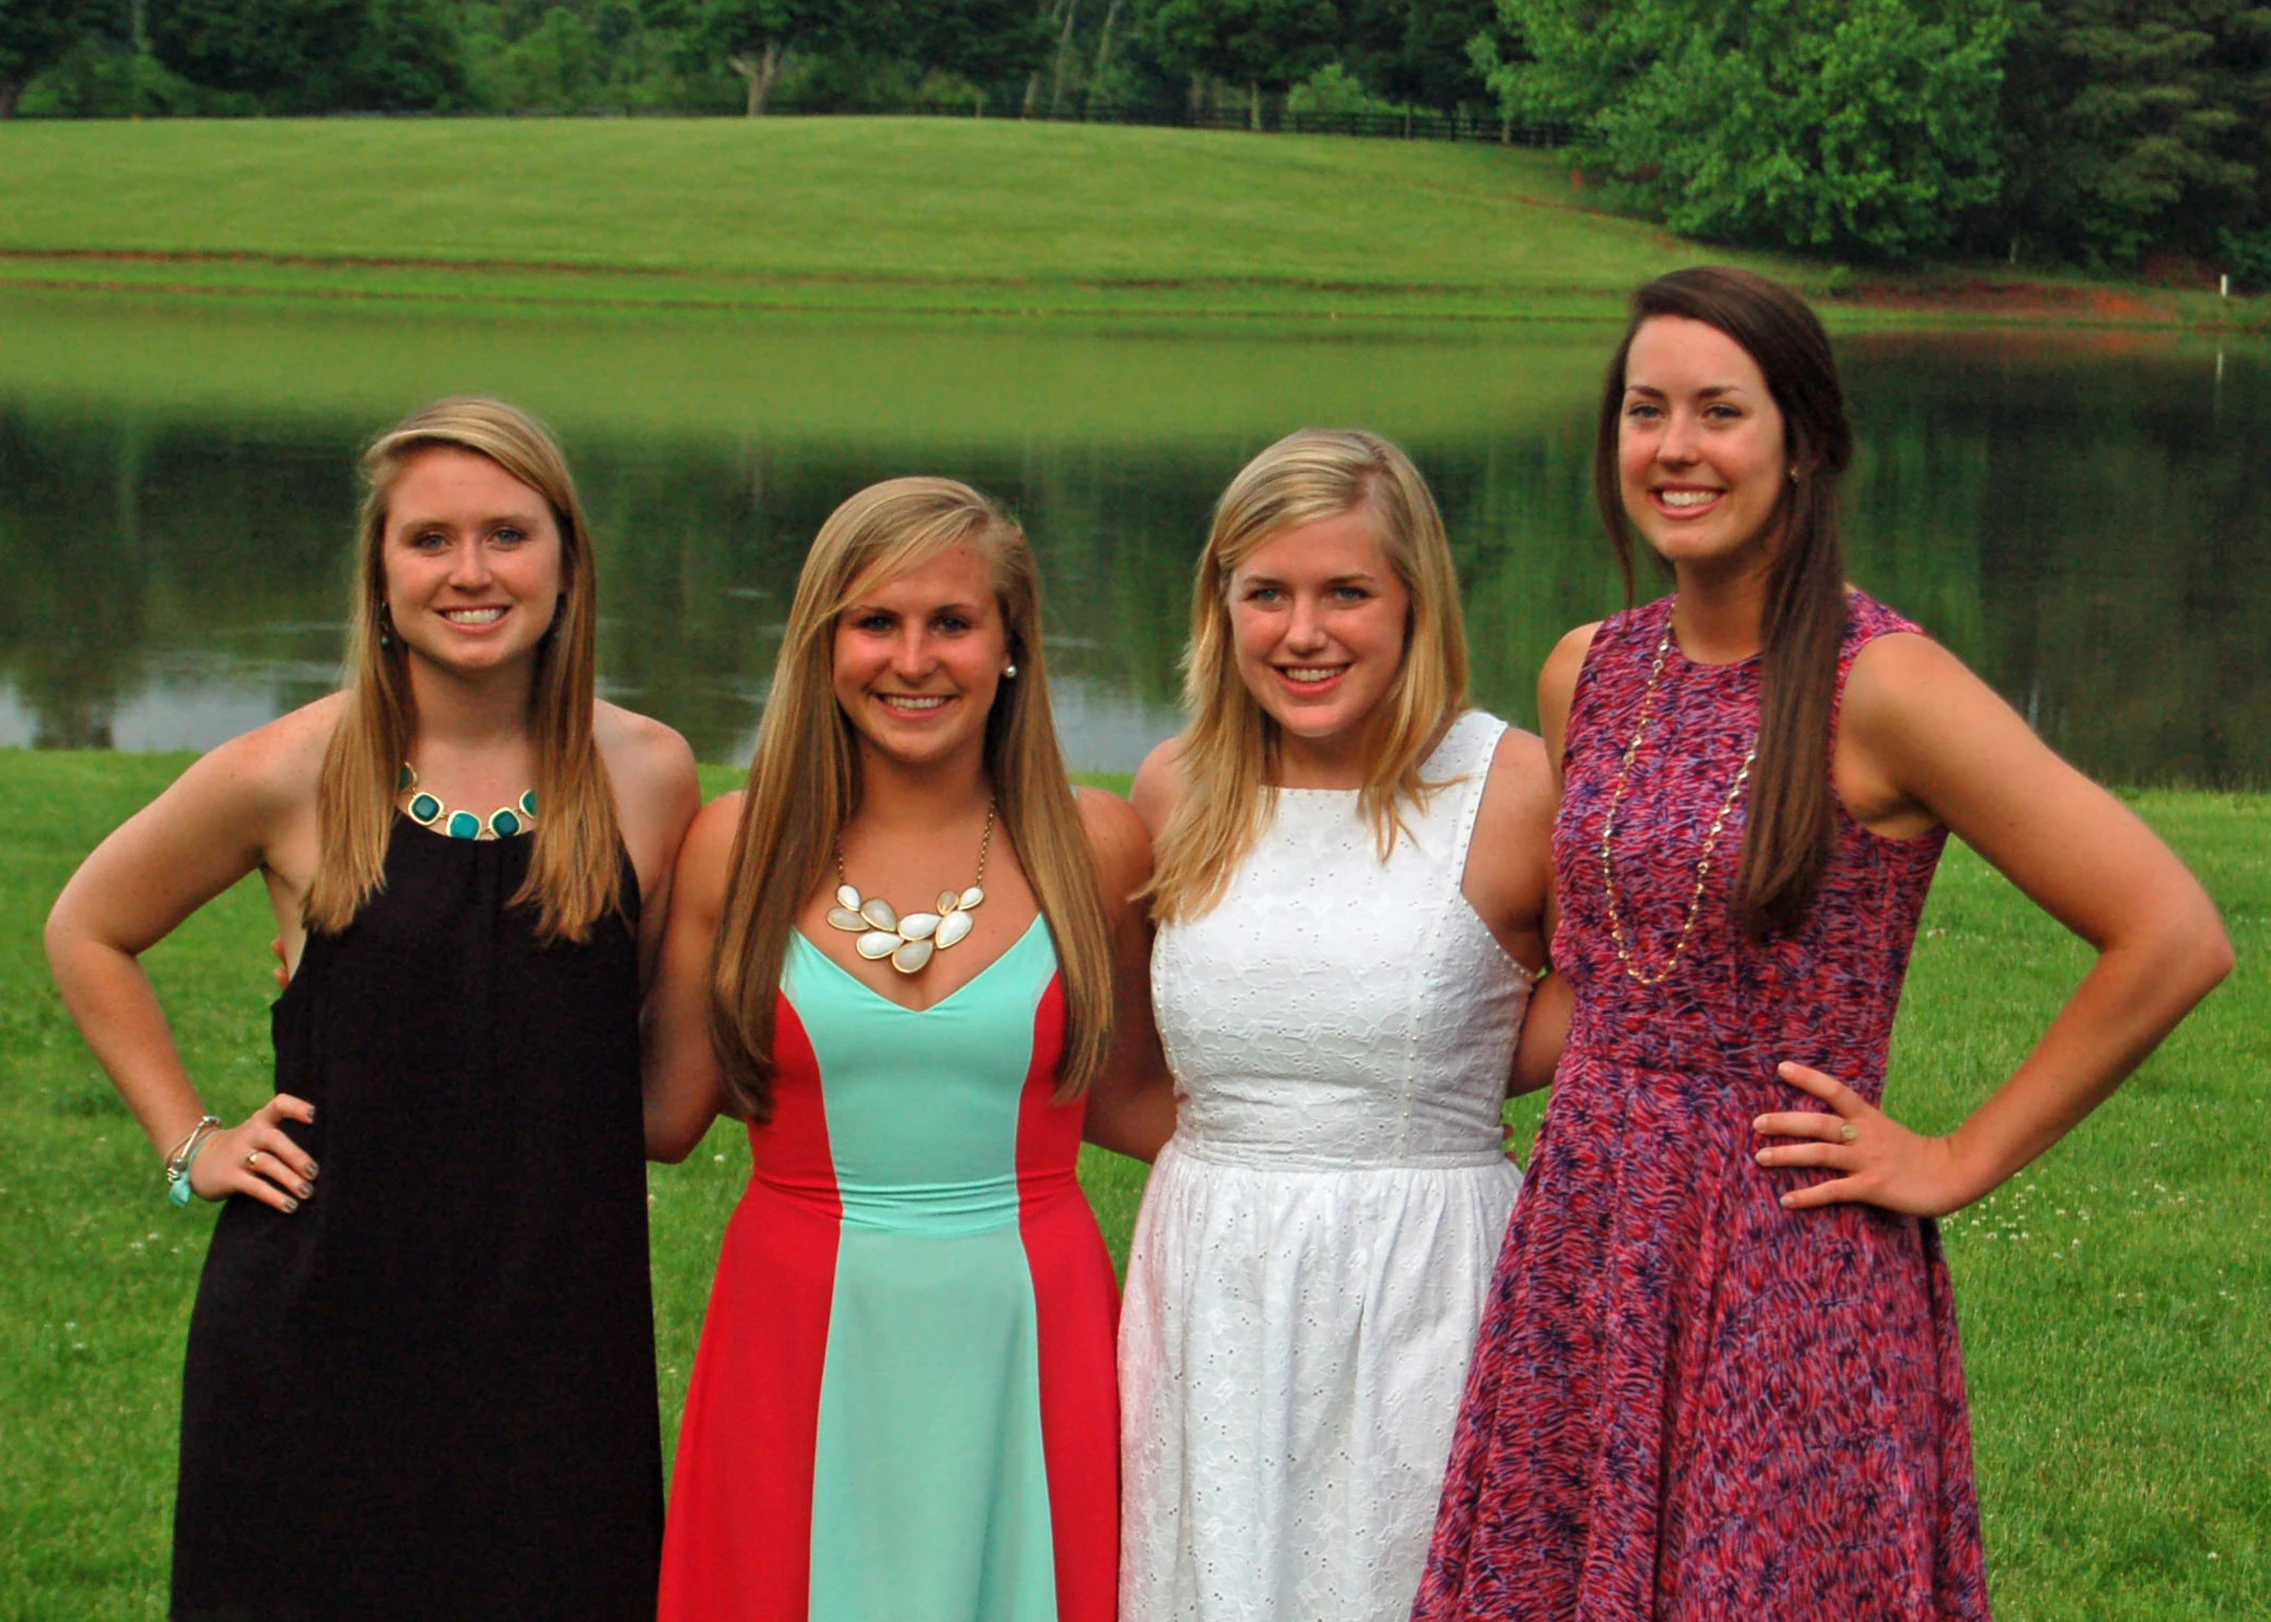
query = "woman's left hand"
{"x": 1883, "y": 1162}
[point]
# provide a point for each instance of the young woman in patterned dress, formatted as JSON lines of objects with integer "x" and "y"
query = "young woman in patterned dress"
{"x": 1719, "y": 1375}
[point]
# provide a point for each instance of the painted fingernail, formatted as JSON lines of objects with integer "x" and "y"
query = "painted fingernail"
{"x": 307, "y": 1191}
{"x": 311, "y": 1168}
{"x": 311, "y": 1114}
{"x": 290, "y": 1204}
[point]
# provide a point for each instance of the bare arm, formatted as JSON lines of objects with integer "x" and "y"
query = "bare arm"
{"x": 1557, "y": 689}
{"x": 1545, "y": 1028}
{"x": 656, "y": 797}
{"x": 1131, "y": 1106}
{"x": 220, "y": 820}
{"x": 1924, "y": 738}
{"x": 685, "y": 1088}
{"x": 1545, "y": 1032}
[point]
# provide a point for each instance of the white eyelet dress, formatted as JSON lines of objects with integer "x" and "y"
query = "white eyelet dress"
{"x": 1310, "y": 1263}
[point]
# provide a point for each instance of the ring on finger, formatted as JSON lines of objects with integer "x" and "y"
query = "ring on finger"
{"x": 1849, "y": 1132}
{"x": 252, "y": 1161}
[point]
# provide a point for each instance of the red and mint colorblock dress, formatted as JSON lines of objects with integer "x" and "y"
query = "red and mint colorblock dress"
{"x": 903, "y": 1406}
{"x": 1688, "y": 1404}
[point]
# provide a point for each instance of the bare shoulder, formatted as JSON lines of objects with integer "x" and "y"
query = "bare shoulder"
{"x": 1519, "y": 780}
{"x": 706, "y": 853}
{"x": 1559, "y": 673}
{"x": 274, "y": 769}
{"x": 1119, "y": 839}
{"x": 639, "y": 749}
{"x": 711, "y": 835}
{"x": 1159, "y": 784}
{"x": 1904, "y": 679}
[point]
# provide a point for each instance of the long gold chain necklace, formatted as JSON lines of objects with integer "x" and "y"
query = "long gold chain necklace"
{"x": 909, "y": 940}
{"x": 1624, "y": 950}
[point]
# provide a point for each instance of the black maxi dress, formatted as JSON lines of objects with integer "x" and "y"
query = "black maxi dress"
{"x": 430, "y": 1393}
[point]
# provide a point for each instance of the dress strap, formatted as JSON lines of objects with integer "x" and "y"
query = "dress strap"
{"x": 1466, "y": 753}
{"x": 1866, "y": 619}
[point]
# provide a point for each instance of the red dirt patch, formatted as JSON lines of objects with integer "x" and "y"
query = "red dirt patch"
{"x": 2022, "y": 300}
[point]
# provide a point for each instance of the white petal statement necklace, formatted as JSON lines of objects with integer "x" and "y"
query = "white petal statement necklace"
{"x": 909, "y": 940}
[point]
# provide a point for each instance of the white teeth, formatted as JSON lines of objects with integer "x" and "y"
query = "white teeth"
{"x": 1687, "y": 498}
{"x": 904, "y": 701}
{"x": 472, "y": 616}
{"x": 1303, "y": 673}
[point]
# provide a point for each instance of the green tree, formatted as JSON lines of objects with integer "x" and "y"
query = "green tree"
{"x": 410, "y": 60}
{"x": 1415, "y": 51}
{"x": 2128, "y": 126}
{"x": 1858, "y": 126}
{"x": 752, "y": 37}
{"x": 291, "y": 54}
{"x": 36, "y": 34}
{"x": 1260, "y": 44}
{"x": 984, "y": 41}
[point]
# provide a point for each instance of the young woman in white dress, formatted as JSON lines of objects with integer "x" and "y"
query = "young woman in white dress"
{"x": 1350, "y": 891}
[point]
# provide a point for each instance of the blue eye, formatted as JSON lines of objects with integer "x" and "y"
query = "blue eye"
{"x": 509, "y": 536}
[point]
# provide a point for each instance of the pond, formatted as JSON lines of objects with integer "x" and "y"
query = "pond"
{"x": 2080, "y": 515}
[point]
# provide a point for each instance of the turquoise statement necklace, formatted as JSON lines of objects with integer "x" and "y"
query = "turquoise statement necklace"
{"x": 426, "y": 810}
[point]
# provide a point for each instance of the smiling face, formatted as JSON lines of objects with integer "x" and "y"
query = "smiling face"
{"x": 471, "y": 561}
{"x": 1319, "y": 619}
{"x": 918, "y": 657}
{"x": 1700, "y": 448}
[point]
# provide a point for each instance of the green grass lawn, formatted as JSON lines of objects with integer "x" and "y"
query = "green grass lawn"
{"x": 922, "y": 215}
{"x": 2116, "y": 1299}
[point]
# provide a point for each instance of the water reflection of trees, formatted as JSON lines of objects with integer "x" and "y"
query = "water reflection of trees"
{"x": 2087, "y": 535}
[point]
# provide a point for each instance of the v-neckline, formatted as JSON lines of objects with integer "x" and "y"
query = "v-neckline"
{"x": 1007, "y": 952}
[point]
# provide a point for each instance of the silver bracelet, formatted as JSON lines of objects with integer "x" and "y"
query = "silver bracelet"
{"x": 184, "y": 1155}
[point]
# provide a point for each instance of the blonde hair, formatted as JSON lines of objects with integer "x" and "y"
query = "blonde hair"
{"x": 575, "y": 866}
{"x": 1231, "y": 748}
{"x": 804, "y": 780}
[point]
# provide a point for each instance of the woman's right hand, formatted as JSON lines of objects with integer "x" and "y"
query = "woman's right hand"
{"x": 255, "y": 1157}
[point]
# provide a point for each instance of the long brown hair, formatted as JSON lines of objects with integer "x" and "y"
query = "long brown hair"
{"x": 575, "y": 866}
{"x": 804, "y": 780}
{"x": 1230, "y": 749}
{"x": 1792, "y": 827}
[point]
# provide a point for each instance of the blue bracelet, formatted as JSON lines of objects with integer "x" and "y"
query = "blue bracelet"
{"x": 177, "y": 1185}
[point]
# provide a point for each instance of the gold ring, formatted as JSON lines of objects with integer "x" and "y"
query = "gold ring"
{"x": 252, "y": 1160}
{"x": 1849, "y": 1132}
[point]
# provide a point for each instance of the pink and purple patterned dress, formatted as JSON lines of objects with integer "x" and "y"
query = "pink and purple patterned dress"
{"x": 1688, "y": 1404}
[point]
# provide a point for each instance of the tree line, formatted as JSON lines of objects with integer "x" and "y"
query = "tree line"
{"x": 2103, "y": 133}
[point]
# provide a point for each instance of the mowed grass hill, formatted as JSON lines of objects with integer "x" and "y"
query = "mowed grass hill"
{"x": 937, "y": 216}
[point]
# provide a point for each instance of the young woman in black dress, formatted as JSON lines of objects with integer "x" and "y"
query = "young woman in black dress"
{"x": 420, "y": 1374}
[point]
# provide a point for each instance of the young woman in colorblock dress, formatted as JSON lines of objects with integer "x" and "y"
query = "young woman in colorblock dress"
{"x": 1719, "y": 1374}
{"x": 1351, "y": 884}
{"x": 910, "y": 956}
{"x": 420, "y": 1373}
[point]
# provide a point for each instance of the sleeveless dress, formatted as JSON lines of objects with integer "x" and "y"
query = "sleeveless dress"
{"x": 902, "y": 1406}
{"x": 1688, "y": 1403}
{"x": 430, "y": 1392}
{"x": 1309, "y": 1264}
